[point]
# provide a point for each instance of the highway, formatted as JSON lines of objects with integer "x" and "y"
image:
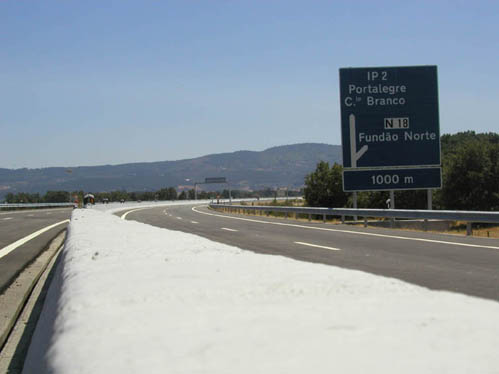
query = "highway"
{"x": 460, "y": 264}
{"x": 22, "y": 237}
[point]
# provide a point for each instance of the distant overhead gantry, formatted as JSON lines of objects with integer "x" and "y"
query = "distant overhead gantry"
{"x": 213, "y": 180}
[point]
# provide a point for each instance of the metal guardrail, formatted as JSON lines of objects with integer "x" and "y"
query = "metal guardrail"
{"x": 451, "y": 215}
{"x": 35, "y": 205}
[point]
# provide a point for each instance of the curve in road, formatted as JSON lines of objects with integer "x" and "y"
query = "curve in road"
{"x": 437, "y": 261}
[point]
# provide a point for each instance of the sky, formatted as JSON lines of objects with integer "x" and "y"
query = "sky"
{"x": 109, "y": 82}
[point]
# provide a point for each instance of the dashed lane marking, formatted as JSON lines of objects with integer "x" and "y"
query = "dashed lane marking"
{"x": 347, "y": 231}
{"x": 318, "y": 246}
{"x": 227, "y": 229}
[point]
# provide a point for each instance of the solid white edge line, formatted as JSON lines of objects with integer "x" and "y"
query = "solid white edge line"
{"x": 6, "y": 250}
{"x": 348, "y": 231}
{"x": 318, "y": 246}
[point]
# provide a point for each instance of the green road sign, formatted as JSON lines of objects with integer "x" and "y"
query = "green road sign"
{"x": 390, "y": 119}
{"x": 215, "y": 180}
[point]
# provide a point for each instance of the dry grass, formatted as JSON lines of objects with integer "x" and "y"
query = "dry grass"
{"x": 480, "y": 230}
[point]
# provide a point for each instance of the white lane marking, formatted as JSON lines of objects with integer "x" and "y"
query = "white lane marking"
{"x": 179, "y": 218}
{"x": 348, "y": 231}
{"x": 123, "y": 216}
{"x": 6, "y": 250}
{"x": 227, "y": 229}
{"x": 24, "y": 211}
{"x": 6, "y": 219}
{"x": 31, "y": 215}
{"x": 318, "y": 246}
{"x": 194, "y": 222}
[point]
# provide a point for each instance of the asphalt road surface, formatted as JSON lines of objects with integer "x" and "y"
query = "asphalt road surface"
{"x": 18, "y": 225}
{"x": 437, "y": 261}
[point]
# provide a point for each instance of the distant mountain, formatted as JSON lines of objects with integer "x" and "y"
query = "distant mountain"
{"x": 278, "y": 166}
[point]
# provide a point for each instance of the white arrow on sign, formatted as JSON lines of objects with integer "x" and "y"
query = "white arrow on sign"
{"x": 354, "y": 155}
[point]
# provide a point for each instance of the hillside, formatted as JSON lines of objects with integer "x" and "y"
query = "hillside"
{"x": 278, "y": 166}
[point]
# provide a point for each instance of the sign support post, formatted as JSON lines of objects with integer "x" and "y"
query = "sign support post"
{"x": 355, "y": 203}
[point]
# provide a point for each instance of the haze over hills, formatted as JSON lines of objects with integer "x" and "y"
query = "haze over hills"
{"x": 274, "y": 167}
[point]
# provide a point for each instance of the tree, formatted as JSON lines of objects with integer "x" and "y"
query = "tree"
{"x": 172, "y": 193}
{"x": 324, "y": 187}
{"x": 167, "y": 194}
{"x": 471, "y": 176}
{"x": 372, "y": 199}
{"x": 204, "y": 195}
{"x": 411, "y": 199}
{"x": 146, "y": 196}
{"x": 56, "y": 197}
{"x": 225, "y": 194}
{"x": 10, "y": 198}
